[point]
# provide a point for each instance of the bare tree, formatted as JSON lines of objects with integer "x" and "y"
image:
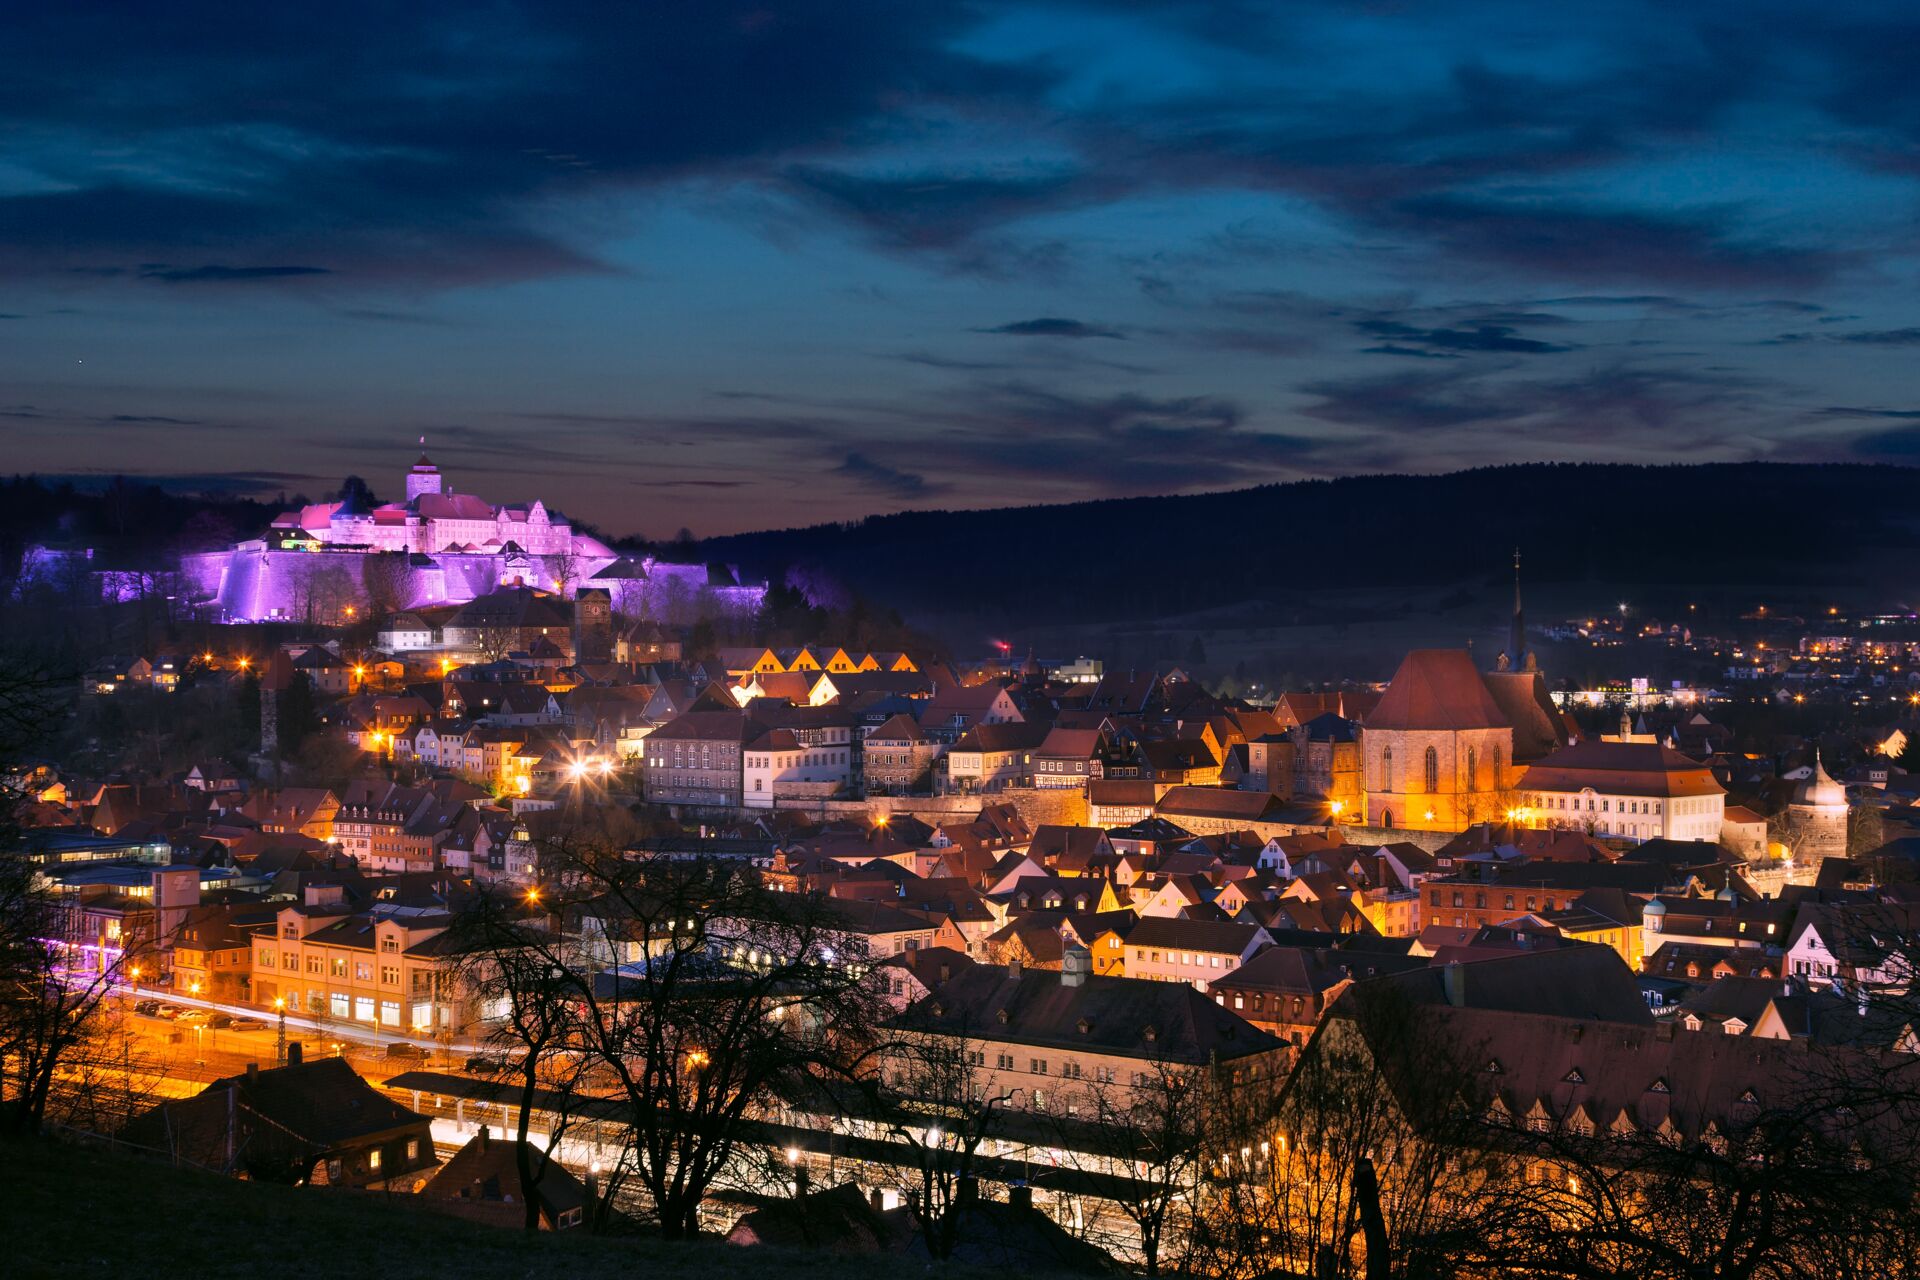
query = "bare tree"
{"x": 705, "y": 1000}
{"x": 943, "y": 1104}
{"x": 509, "y": 961}
{"x": 1154, "y": 1135}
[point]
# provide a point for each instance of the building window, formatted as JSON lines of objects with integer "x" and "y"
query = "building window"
{"x": 1433, "y": 769}
{"x": 373, "y": 1160}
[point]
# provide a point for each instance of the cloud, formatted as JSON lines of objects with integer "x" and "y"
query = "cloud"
{"x": 152, "y": 419}
{"x": 218, "y": 273}
{"x": 1053, "y": 327}
{"x": 875, "y": 477}
{"x": 1502, "y": 338}
{"x": 1848, "y": 411}
{"x": 433, "y": 143}
{"x": 1860, "y": 337}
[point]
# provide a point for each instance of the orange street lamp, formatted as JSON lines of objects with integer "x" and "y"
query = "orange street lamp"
{"x": 245, "y": 663}
{"x": 697, "y": 1058}
{"x": 533, "y": 895}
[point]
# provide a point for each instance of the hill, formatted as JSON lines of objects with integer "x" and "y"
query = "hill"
{"x": 68, "y": 1211}
{"x": 1825, "y": 526}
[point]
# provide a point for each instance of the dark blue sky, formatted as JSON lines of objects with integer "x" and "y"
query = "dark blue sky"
{"x": 731, "y": 266}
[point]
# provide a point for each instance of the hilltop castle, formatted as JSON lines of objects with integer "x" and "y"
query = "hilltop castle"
{"x": 331, "y": 561}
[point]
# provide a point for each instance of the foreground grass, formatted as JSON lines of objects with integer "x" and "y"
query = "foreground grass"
{"x": 72, "y": 1212}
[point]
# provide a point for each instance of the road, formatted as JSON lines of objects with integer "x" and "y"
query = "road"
{"x": 177, "y": 1058}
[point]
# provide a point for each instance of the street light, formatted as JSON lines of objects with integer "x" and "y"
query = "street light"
{"x": 280, "y": 1047}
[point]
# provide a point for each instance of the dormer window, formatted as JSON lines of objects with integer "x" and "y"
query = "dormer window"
{"x": 1573, "y": 1077}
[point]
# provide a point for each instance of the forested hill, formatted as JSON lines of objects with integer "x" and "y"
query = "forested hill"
{"x": 1764, "y": 523}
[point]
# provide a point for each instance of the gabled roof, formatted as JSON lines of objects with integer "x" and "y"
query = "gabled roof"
{"x": 1437, "y": 689}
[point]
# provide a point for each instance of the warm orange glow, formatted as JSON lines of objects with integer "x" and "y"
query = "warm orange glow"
{"x": 136, "y": 973}
{"x": 1335, "y": 808}
{"x": 359, "y": 672}
{"x": 533, "y": 895}
{"x": 245, "y": 663}
{"x": 697, "y": 1058}
{"x": 193, "y": 988}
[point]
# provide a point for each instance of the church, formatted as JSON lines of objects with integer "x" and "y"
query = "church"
{"x": 1447, "y": 744}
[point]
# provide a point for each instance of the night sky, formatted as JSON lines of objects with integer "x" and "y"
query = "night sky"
{"x": 735, "y": 266}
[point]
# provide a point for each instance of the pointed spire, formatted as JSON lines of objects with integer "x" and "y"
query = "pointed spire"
{"x": 1517, "y": 641}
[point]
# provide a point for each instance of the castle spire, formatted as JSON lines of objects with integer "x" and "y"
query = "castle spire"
{"x": 1517, "y": 641}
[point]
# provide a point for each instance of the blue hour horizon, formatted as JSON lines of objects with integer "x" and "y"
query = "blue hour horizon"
{"x": 749, "y": 267}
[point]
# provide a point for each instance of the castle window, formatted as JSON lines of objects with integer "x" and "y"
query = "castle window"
{"x": 1433, "y": 769}
{"x": 1473, "y": 769}
{"x": 1386, "y": 767}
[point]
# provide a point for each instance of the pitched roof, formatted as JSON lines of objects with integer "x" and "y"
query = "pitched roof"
{"x": 1437, "y": 689}
{"x": 1623, "y": 768}
{"x": 1223, "y": 937}
{"x": 1129, "y": 1017}
{"x": 1579, "y": 981}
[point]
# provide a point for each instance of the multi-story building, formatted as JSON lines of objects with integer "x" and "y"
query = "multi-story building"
{"x": 1623, "y": 790}
{"x": 390, "y": 969}
{"x": 897, "y": 758}
{"x": 1044, "y": 1037}
{"x": 1197, "y": 952}
{"x": 696, "y": 758}
{"x": 993, "y": 755}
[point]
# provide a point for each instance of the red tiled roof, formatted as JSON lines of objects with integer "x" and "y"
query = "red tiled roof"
{"x": 1437, "y": 689}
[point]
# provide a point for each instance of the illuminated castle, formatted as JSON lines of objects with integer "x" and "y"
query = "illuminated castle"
{"x": 431, "y": 521}
{"x": 329, "y": 562}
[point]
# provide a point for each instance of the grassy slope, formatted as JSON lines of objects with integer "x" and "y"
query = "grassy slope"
{"x": 70, "y": 1212}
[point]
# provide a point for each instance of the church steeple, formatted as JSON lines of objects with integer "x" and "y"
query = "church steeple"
{"x": 1517, "y": 640}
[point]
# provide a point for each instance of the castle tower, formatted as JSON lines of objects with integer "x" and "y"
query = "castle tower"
{"x": 425, "y": 477}
{"x": 593, "y": 625}
{"x": 1817, "y": 818}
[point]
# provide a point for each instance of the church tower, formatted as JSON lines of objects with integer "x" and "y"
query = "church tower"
{"x": 425, "y": 477}
{"x": 592, "y": 625}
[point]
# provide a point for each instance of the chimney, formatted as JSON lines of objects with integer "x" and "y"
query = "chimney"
{"x": 295, "y": 1054}
{"x": 878, "y": 1201}
{"x": 253, "y": 1072}
{"x": 1013, "y": 968}
{"x": 484, "y": 1134}
{"x": 1075, "y": 964}
{"x": 1454, "y": 978}
{"x": 1019, "y": 1195}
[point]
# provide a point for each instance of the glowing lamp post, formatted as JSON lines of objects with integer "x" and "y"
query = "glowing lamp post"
{"x": 280, "y": 1046}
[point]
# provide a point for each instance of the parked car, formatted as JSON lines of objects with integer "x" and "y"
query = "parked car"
{"x": 191, "y": 1016}
{"x": 484, "y": 1066}
{"x": 168, "y": 1011}
{"x": 219, "y": 1021}
{"x": 247, "y": 1024}
{"x": 405, "y": 1050}
{"x": 147, "y": 1008}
